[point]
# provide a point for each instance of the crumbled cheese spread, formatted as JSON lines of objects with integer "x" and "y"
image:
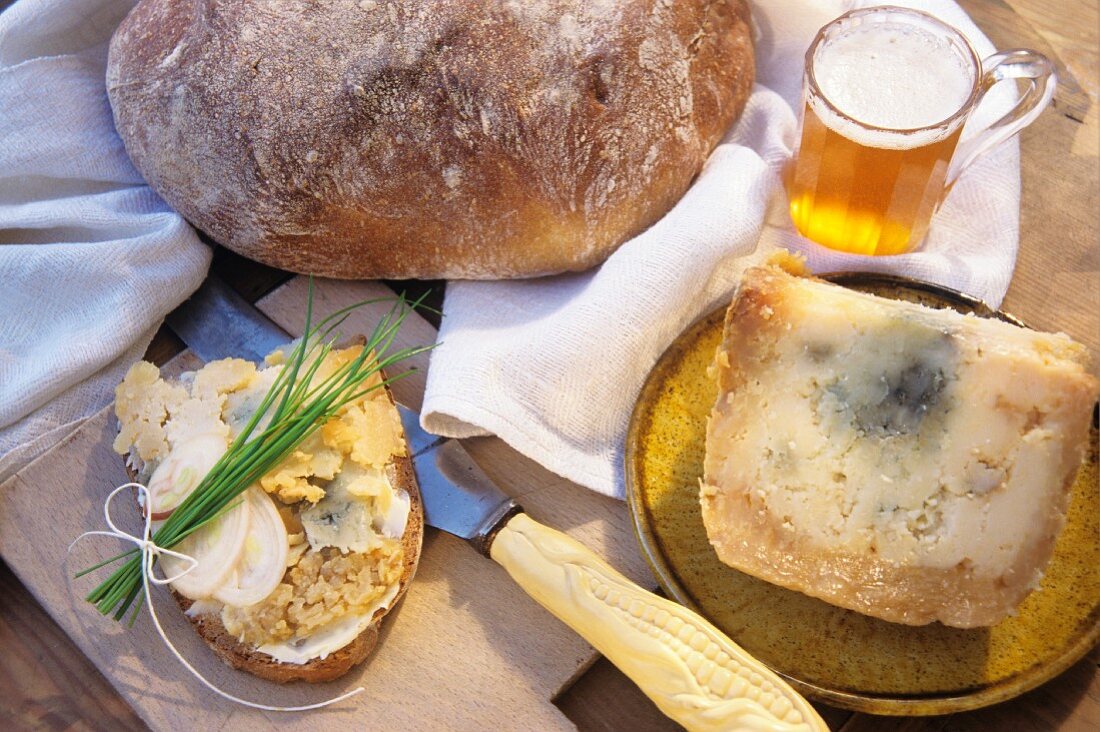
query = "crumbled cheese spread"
{"x": 330, "y": 638}
{"x": 322, "y": 588}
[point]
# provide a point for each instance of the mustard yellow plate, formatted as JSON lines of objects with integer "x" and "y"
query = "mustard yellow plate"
{"x": 828, "y": 653}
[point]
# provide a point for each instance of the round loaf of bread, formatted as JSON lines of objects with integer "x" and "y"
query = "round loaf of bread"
{"x": 426, "y": 138}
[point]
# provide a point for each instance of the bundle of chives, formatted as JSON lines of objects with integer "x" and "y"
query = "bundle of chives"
{"x": 298, "y": 408}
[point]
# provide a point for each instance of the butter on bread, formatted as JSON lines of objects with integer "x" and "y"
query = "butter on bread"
{"x": 339, "y": 583}
{"x": 908, "y": 463}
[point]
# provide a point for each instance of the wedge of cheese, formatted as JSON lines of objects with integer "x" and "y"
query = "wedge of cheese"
{"x": 905, "y": 462}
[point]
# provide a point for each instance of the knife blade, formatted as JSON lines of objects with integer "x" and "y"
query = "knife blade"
{"x": 689, "y": 668}
{"x": 216, "y": 322}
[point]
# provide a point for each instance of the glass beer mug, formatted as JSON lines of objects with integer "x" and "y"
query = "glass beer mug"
{"x": 887, "y": 91}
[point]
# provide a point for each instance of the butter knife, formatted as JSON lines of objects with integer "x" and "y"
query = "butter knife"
{"x": 690, "y": 669}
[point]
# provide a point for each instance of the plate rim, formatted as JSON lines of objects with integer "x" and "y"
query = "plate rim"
{"x": 885, "y": 704}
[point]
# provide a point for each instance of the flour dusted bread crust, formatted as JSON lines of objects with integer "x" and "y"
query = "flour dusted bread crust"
{"x": 908, "y": 463}
{"x": 426, "y": 138}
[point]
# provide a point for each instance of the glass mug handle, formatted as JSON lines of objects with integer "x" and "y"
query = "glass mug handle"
{"x": 1018, "y": 63}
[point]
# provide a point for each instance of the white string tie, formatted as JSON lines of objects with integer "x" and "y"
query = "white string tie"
{"x": 149, "y": 553}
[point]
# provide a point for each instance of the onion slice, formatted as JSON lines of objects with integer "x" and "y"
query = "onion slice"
{"x": 262, "y": 564}
{"x": 217, "y": 547}
{"x": 179, "y": 473}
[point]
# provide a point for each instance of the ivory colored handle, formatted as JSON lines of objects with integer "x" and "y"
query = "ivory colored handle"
{"x": 689, "y": 668}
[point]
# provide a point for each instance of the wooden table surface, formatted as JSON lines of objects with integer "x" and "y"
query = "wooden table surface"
{"x": 49, "y": 684}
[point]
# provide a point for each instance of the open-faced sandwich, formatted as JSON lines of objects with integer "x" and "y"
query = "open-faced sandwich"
{"x": 909, "y": 463}
{"x": 295, "y": 574}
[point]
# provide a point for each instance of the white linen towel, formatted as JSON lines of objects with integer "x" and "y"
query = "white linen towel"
{"x": 91, "y": 259}
{"x": 553, "y": 366}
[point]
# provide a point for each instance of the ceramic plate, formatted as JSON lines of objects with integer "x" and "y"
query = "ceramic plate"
{"x": 828, "y": 653}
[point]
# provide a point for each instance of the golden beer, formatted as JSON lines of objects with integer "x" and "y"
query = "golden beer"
{"x": 862, "y": 199}
{"x": 886, "y": 94}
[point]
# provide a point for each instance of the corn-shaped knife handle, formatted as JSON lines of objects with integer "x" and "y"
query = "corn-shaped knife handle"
{"x": 689, "y": 668}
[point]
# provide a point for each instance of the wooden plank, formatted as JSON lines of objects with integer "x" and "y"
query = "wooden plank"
{"x": 48, "y": 683}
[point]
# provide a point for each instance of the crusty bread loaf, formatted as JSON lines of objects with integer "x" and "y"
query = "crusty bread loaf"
{"x": 908, "y": 463}
{"x": 246, "y": 658}
{"x": 427, "y": 138}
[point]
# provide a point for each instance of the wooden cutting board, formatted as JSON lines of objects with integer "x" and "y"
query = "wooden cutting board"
{"x": 465, "y": 649}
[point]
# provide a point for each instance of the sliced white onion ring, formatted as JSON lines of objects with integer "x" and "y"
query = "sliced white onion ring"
{"x": 217, "y": 547}
{"x": 178, "y": 474}
{"x": 261, "y": 566}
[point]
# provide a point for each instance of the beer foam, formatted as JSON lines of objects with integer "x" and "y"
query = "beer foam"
{"x": 896, "y": 76}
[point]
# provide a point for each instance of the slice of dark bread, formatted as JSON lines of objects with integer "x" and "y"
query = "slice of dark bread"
{"x": 336, "y": 664}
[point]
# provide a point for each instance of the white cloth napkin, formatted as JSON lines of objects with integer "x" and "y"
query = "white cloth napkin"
{"x": 91, "y": 259}
{"x": 553, "y": 366}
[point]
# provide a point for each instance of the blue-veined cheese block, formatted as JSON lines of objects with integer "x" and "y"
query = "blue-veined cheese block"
{"x": 905, "y": 462}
